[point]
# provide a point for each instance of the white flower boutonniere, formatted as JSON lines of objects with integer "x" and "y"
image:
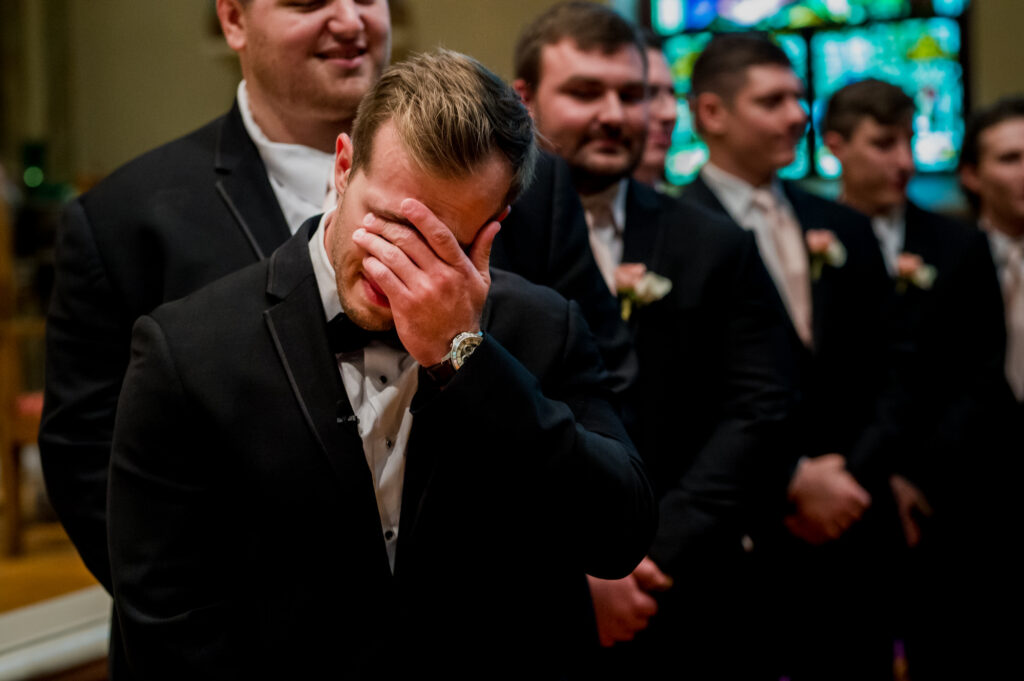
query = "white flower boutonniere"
{"x": 637, "y": 286}
{"x": 912, "y": 270}
{"x": 826, "y": 249}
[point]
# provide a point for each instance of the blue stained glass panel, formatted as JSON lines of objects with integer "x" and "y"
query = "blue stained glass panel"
{"x": 688, "y": 152}
{"x": 919, "y": 55}
{"x": 673, "y": 16}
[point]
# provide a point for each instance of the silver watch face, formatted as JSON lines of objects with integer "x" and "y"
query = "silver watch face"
{"x": 463, "y": 346}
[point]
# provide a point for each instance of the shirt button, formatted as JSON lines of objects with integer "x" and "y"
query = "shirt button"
{"x": 389, "y": 535}
{"x": 388, "y": 443}
{"x": 383, "y": 379}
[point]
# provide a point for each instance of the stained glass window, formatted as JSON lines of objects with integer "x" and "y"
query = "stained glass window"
{"x": 831, "y": 43}
{"x": 919, "y": 55}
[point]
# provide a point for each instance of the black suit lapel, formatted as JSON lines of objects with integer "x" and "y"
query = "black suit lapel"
{"x": 299, "y": 330}
{"x": 244, "y": 187}
{"x": 916, "y": 236}
{"x": 643, "y": 224}
{"x": 699, "y": 192}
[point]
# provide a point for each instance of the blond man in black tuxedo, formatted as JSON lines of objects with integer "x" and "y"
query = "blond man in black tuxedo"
{"x": 375, "y": 426}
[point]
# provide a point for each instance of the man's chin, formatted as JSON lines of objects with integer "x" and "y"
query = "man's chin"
{"x": 597, "y": 173}
{"x": 367, "y": 315}
{"x": 371, "y": 321}
{"x": 783, "y": 159}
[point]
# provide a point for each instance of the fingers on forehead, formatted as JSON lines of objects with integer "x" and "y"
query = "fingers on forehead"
{"x": 437, "y": 234}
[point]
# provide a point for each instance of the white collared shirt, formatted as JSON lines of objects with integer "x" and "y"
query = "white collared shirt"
{"x": 606, "y": 234}
{"x": 380, "y": 382}
{"x": 301, "y": 177}
{"x": 891, "y": 231}
{"x": 737, "y": 196}
{"x": 1008, "y": 255}
{"x": 1000, "y": 244}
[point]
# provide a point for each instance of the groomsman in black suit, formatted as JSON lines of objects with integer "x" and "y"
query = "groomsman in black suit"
{"x": 372, "y": 456}
{"x": 226, "y": 196}
{"x": 948, "y": 300}
{"x": 831, "y": 617}
{"x": 992, "y": 175}
{"x": 189, "y": 212}
{"x": 714, "y": 382}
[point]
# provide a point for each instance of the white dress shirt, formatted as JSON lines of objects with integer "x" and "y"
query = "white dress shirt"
{"x": 606, "y": 219}
{"x": 891, "y": 231}
{"x": 739, "y": 199}
{"x": 1008, "y": 254}
{"x": 380, "y": 382}
{"x": 302, "y": 177}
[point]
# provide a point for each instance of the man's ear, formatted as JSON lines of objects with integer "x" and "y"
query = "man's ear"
{"x": 232, "y": 23}
{"x": 969, "y": 178}
{"x": 342, "y": 163}
{"x": 525, "y": 93}
{"x": 504, "y": 214}
{"x": 836, "y": 143}
{"x": 709, "y": 113}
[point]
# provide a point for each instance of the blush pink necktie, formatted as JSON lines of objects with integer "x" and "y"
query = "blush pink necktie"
{"x": 1013, "y": 299}
{"x": 792, "y": 257}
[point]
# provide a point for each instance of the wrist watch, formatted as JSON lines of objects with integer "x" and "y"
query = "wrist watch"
{"x": 463, "y": 345}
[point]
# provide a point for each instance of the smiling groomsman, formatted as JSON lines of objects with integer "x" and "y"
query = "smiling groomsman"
{"x": 713, "y": 387}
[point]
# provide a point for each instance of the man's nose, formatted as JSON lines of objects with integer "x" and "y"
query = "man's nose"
{"x": 797, "y": 112}
{"x": 904, "y": 157}
{"x": 345, "y": 19}
{"x": 611, "y": 111}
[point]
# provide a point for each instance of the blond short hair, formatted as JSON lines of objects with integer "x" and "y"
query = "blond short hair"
{"x": 451, "y": 115}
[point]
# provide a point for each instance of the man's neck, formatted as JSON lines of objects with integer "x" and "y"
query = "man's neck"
{"x": 870, "y": 208}
{"x": 753, "y": 177}
{"x": 650, "y": 175}
{"x": 278, "y": 127}
{"x": 1011, "y": 228}
{"x": 588, "y": 185}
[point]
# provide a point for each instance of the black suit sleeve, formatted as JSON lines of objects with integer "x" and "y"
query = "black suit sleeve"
{"x": 560, "y": 445}
{"x": 87, "y": 337}
{"x": 959, "y": 369}
{"x": 168, "y": 529}
{"x": 885, "y": 343}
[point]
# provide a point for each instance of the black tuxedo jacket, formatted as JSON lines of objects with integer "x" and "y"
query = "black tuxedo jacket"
{"x": 852, "y": 396}
{"x": 158, "y": 228}
{"x": 244, "y": 535}
{"x": 544, "y": 239}
{"x": 715, "y": 381}
{"x": 182, "y": 216}
{"x": 956, "y": 371}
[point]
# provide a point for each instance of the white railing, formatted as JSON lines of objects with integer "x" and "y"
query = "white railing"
{"x": 54, "y": 635}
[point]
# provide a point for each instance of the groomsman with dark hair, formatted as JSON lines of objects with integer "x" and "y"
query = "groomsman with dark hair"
{"x": 827, "y": 591}
{"x": 992, "y": 176}
{"x": 713, "y": 387}
{"x": 948, "y": 301}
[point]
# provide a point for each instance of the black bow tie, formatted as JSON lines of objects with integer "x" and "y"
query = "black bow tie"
{"x": 344, "y": 335}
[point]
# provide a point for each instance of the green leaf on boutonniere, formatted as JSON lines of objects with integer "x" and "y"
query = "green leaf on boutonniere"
{"x": 651, "y": 287}
{"x": 825, "y": 249}
{"x": 912, "y": 270}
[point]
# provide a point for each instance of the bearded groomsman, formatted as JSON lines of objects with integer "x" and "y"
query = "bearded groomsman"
{"x": 714, "y": 384}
